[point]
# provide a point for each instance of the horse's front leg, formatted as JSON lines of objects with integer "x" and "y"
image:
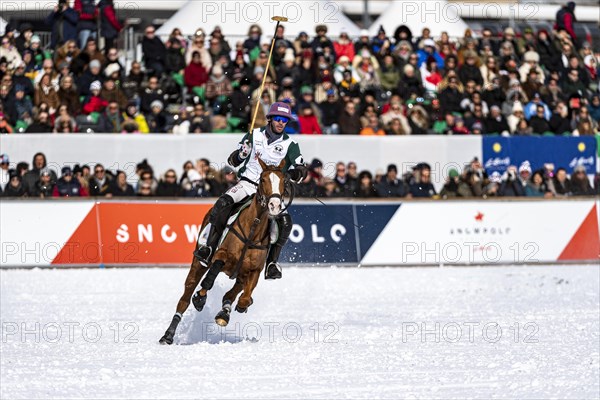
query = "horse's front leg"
{"x": 245, "y": 300}
{"x": 193, "y": 277}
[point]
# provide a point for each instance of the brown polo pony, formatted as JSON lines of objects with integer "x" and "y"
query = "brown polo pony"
{"x": 241, "y": 255}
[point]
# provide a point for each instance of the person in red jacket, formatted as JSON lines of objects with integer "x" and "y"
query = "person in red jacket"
{"x": 109, "y": 24}
{"x": 88, "y": 16}
{"x": 94, "y": 103}
{"x": 565, "y": 17}
{"x": 309, "y": 125}
{"x": 344, "y": 47}
{"x": 195, "y": 74}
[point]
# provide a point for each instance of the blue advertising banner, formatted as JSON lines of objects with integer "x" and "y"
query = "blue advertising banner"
{"x": 566, "y": 152}
{"x": 321, "y": 234}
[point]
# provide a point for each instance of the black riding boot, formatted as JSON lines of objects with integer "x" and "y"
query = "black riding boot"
{"x": 273, "y": 269}
{"x": 218, "y": 220}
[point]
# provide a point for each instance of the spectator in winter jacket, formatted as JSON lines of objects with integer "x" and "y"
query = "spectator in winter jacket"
{"x": 309, "y": 125}
{"x": 22, "y": 105}
{"x": 350, "y": 120}
{"x": 390, "y": 185}
{"x": 88, "y": 19}
{"x": 422, "y": 187}
{"x": 99, "y": 183}
{"x": 154, "y": 52}
{"x": 67, "y": 185}
{"x": 428, "y": 50}
{"x": 344, "y": 47}
{"x": 109, "y": 24}
{"x": 111, "y": 121}
{"x": 15, "y": 187}
{"x": 175, "y": 60}
{"x": 10, "y": 53}
{"x": 119, "y": 187}
{"x": 157, "y": 120}
{"x": 565, "y": 19}
{"x": 92, "y": 74}
{"x": 168, "y": 186}
{"x": 470, "y": 69}
{"x": 44, "y": 186}
{"x": 46, "y": 93}
{"x": 511, "y": 185}
{"x": 94, "y": 103}
{"x": 580, "y": 184}
{"x": 63, "y": 20}
{"x": 151, "y": 93}
{"x": 69, "y": 96}
{"x": 133, "y": 120}
{"x": 111, "y": 92}
{"x": 195, "y": 73}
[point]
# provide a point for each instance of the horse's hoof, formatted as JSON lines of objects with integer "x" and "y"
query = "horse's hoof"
{"x": 222, "y": 318}
{"x": 244, "y": 310}
{"x": 199, "y": 301}
{"x": 166, "y": 339}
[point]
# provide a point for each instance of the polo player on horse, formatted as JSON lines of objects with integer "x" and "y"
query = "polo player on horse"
{"x": 272, "y": 145}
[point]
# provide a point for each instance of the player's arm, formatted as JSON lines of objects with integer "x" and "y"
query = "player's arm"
{"x": 243, "y": 151}
{"x": 294, "y": 164}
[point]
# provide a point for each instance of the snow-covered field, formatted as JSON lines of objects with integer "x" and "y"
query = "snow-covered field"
{"x": 506, "y": 332}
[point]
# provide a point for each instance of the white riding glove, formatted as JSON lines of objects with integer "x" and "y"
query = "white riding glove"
{"x": 245, "y": 149}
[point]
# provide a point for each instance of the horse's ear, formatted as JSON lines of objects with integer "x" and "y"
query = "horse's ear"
{"x": 262, "y": 164}
{"x": 281, "y": 165}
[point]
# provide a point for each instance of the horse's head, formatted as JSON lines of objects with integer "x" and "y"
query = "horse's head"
{"x": 271, "y": 187}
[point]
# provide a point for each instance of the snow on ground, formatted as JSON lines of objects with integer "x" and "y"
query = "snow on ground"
{"x": 506, "y": 332}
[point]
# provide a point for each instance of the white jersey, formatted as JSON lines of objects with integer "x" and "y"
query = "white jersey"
{"x": 283, "y": 148}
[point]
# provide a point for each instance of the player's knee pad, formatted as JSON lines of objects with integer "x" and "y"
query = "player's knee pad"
{"x": 220, "y": 210}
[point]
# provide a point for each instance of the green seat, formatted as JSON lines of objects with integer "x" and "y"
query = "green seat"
{"x": 200, "y": 91}
{"x": 235, "y": 123}
{"x": 548, "y": 133}
{"x": 178, "y": 78}
{"x": 21, "y": 125}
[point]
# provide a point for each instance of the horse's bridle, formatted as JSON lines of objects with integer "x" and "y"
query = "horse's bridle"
{"x": 263, "y": 199}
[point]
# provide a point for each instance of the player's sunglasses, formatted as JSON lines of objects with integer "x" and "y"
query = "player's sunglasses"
{"x": 285, "y": 120}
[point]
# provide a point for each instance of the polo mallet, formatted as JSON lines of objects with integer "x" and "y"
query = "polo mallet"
{"x": 262, "y": 85}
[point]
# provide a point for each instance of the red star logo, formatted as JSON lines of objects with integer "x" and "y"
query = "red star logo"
{"x": 479, "y": 217}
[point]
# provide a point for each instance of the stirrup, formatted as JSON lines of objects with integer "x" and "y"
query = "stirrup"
{"x": 203, "y": 254}
{"x": 273, "y": 271}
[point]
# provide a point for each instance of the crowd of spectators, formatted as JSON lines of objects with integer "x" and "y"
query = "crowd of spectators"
{"x": 202, "y": 179}
{"x": 396, "y": 83}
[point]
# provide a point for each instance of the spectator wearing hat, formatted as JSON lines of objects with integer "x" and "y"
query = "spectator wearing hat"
{"x": 198, "y": 45}
{"x": 175, "y": 59}
{"x": 429, "y": 50}
{"x": 390, "y": 185}
{"x": 44, "y": 186}
{"x": 531, "y": 62}
{"x": 63, "y": 20}
{"x": 381, "y": 44}
{"x": 218, "y": 88}
{"x": 67, "y": 185}
{"x": 109, "y": 24}
{"x": 321, "y": 41}
{"x": 91, "y": 52}
{"x": 450, "y": 188}
{"x": 157, "y": 119}
{"x": 565, "y": 19}
{"x": 68, "y": 95}
{"x": 92, "y": 74}
{"x": 19, "y": 78}
{"x": 154, "y": 52}
{"x": 580, "y": 184}
{"x": 367, "y": 188}
{"x": 309, "y": 125}
{"x": 389, "y": 74}
{"x": 4, "y": 173}
{"x": 94, "y": 103}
